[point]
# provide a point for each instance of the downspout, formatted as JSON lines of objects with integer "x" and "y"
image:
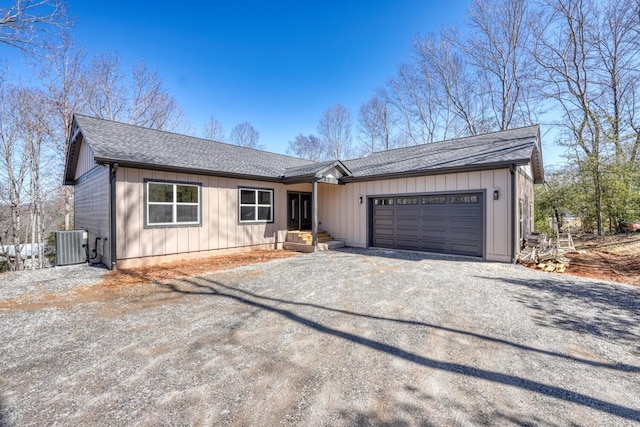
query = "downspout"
{"x": 113, "y": 169}
{"x": 514, "y": 240}
{"x": 314, "y": 214}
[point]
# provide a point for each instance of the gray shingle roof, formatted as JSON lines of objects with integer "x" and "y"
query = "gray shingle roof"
{"x": 136, "y": 146}
{"x": 497, "y": 148}
{"x": 128, "y": 144}
{"x": 314, "y": 168}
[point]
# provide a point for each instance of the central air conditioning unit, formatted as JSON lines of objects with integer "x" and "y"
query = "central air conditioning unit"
{"x": 71, "y": 247}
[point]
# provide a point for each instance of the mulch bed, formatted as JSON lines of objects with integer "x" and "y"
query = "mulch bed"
{"x": 191, "y": 267}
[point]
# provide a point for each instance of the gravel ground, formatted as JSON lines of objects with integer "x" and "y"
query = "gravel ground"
{"x": 351, "y": 337}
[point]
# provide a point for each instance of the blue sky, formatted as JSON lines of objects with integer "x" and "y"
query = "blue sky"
{"x": 275, "y": 64}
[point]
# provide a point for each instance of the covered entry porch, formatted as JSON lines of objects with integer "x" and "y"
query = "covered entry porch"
{"x": 303, "y": 227}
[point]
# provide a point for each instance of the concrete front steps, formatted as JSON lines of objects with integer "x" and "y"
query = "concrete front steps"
{"x": 301, "y": 241}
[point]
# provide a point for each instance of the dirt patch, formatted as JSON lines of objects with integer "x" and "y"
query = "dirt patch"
{"x": 190, "y": 267}
{"x": 613, "y": 258}
{"x": 606, "y": 266}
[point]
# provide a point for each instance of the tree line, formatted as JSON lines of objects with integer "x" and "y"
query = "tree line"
{"x": 573, "y": 65}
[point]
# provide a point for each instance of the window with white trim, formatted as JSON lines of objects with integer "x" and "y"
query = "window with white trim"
{"x": 256, "y": 205}
{"x": 172, "y": 203}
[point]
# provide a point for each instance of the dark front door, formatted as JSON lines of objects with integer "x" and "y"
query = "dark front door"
{"x": 299, "y": 211}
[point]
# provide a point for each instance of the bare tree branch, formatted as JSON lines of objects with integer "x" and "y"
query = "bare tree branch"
{"x": 334, "y": 128}
{"x": 28, "y": 25}
{"x": 245, "y": 135}
{"x": 214, "y": 130}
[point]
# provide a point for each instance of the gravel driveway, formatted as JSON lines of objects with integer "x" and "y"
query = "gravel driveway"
{"x": 351, "y": 337}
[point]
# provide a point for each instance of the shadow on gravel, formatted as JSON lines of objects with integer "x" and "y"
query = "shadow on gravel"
{"x": 405, "y": 255}
{"x": 217, "y": 289}
{"x": 617, "y": 367}
{"x": 599, "y": 309}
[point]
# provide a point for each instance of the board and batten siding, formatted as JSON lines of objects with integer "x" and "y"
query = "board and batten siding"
{"x": 525, "y": 192}
{"x": 341, "y": 214}
{"x": 86, "y": 160}
{"x": 91, "y": 211}
{"x": 219, "y": 230}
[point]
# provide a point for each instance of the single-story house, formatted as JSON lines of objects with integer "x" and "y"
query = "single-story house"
{"x": 147, "y": 196}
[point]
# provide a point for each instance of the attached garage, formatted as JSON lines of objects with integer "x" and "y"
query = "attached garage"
{"x": 445, "y": 223}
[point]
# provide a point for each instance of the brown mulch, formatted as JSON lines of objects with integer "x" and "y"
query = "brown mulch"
{"x": 191, "y": 267}
{"x": 607, "y": 266}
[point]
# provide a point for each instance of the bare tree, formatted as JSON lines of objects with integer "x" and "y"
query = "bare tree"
{"x": 566, "y": 56}
{"x": 497, "y": 48}
{"x": 141, "y": 99}
{"x": 151, "y": 105}
{"x": 214, "y": 130}
{"x": 307, "y": 147}
{"x": 29, "y": 25}
{"x": 246, "y": 135}
{"x": 104, "y": 88}
{"x": 375, "y": 124}
{"x": 442, "y": 61}
{"x": 335, "y": 129}
{"x": 14, "y": 168}
{"x": 62, "y": 75}
{"x": 418, "y": 105}
{"x": 32, "y": 114}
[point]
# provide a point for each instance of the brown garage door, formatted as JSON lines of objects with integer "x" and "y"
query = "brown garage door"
{"x": 447, "y": 223}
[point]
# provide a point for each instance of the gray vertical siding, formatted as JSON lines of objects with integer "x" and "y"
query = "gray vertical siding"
{"x": 91, "y": 211}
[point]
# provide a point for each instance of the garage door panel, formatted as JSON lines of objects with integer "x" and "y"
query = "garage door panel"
{"x": 429, "y": 234}
{"x": 384, "y": 221}
{"x": 435, "y": 224}
{"x": 407, "y": 233}
{"x": 384, "y": 211}
{"x": 385, "y": 232}
{"x": 464, "y": 249}
{"x": 384, "y": 242}
{"x": 430, "y": 223}
{"x": 408, "y": 244}
{"x": 433, "y": 246}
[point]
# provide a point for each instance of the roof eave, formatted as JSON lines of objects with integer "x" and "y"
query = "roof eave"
{"x": 437, "y": 171}
{"x": 71, "y": 159}
{"x": 178, "y": 169}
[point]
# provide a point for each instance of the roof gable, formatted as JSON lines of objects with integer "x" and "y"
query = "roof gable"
{"x": 135, "y": 146}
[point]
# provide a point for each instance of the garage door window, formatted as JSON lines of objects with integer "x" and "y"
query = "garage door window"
{"x": 382, "y": 202}
{"x": 466, "y": 198}
{"x": 407, "y": 200}
{"x": 433, "y": 200}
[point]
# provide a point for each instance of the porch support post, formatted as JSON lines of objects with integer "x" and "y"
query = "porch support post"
{"x": 314, "y": 213}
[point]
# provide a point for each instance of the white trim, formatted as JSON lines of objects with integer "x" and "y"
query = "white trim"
{"x": 255, "y": 205}
{"x": 174, "y": 204}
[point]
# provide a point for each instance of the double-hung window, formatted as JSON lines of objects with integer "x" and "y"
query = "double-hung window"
{"x": 172, "y": 203}
{"x": 256, "y": 205}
